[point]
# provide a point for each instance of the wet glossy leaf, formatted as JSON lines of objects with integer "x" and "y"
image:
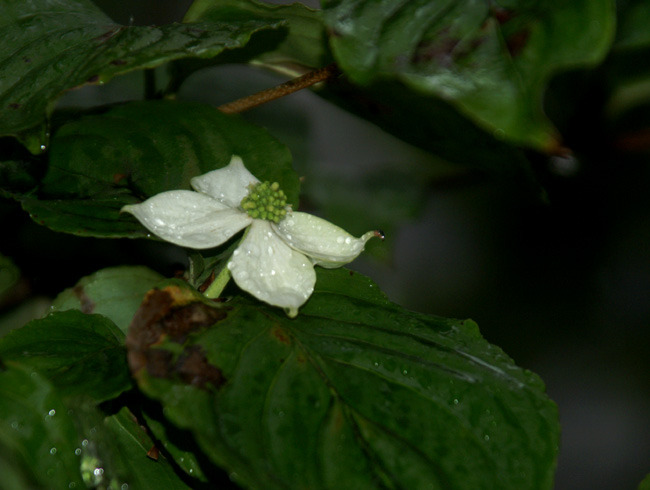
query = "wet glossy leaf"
{"x": 115, "y": 293}
{"x": 141, "y": 149}
{"x": 355, "y": 392}
{"x": 303, "y": 48}
{"x": 490, "y": 62}
{"x": 48, "y": 47}
{"x": 135, "y": 458}
{"x": 37, "y": 436}
{"x": 177, "y": 443}
{"x": 80, "y": 354}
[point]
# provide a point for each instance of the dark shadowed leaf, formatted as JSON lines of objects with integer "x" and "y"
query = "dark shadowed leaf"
{"x": 490, "y": 62}
{"x": 115, "y": 292}
{"x": 100, "y": 163}
{"x": 82, "y": 355}
{"x": 305, "y": 46}
{"x": 136, "y": 459}
{"x": 38, "y": 438}
{"x": 48, "y": 47}
{"x": 355, "y": 392}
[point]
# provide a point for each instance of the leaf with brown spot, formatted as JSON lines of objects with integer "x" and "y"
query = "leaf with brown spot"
{"x": 115, "y": 292}
{"x": 167, "y": 318}
{"x": 355, "y": 392}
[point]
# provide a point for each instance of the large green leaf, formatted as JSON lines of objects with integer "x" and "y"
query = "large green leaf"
{"x": 115, "y": 292}
{"x": 38, "y": 438}
{"x": 82, "y": 355}
{"x": 100, "y": 163}
{"x": 491, "y": 62}
{"x": 305, "y": 46}
{"x": 355, "y": 392}
{"x": 50, "y": 46}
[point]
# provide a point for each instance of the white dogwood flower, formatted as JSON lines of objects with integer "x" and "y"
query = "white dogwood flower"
{"x": 274, "y": 261}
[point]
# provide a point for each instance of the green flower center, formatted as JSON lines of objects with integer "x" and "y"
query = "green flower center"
{"x": 265, "y": 201}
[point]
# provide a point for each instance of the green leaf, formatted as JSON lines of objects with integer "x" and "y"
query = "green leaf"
{"x": 38, "y": 438}
{"x": 129, "y": 444}
{"x": 141, "y": 149}
{"x": 115, "y": 293}
{"x": 82, "y": 355}
{"x": 490, "y": 62}
{"x": 303, "y": 48}
{"x": 355, "y": 392}
{"x": 48, "y": 47}
{"x": 176, "y": 443}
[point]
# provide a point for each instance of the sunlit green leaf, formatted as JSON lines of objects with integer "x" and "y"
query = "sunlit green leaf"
{"x": 491, "y": 62}
{"x": 37, "y": 435}
{"x": 80, "y": 354}
{"x": 355, "y": 389}
{"x": 48, "y": 47}
{"x": 100, "y": 163}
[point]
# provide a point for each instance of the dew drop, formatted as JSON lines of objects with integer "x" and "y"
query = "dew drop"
{"x": 78, "y": 451}
{"x": 14, "y": 425}
{"x": 98, "y": 471}
{"x": 455, "y": 401}
{"x": 486, "y": 437}
{"x": 348, "y": 241}
{"x": 125, "y": 486}
{"x": 72, "y": 484}
{"x": 52, "y": 413}
{"x": 84, "y": 442}
{"x": 43, "y": 147}
{"x": 53, "y": 450}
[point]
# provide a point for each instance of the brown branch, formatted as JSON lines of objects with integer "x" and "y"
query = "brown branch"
{"x": 307, "y": 80}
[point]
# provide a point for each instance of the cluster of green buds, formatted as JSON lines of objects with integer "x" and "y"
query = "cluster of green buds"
{"x": 265, "y": 201}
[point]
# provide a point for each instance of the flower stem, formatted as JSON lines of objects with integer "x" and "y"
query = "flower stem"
{"x": 307, "y": 80}
{"x": 215, "y": 289}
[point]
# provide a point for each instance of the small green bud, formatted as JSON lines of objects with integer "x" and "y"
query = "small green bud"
{"x": 266, "y": 201}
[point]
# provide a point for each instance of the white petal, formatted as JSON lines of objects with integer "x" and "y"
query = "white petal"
{"x": 228, "y": 184}
{"x": 189, "y": 219}
{"x": 271, "y": 271}
{"x": 326, "y": 244}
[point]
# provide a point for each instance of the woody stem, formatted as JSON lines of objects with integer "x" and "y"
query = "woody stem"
{"x": 307, "y": 80}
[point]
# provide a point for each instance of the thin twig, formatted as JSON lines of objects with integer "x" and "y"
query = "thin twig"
{"x": 307, "y": 80}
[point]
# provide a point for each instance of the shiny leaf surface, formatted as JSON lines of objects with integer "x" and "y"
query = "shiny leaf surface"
{"x": 490, "y": 62}
{"x": 48, "y": 47}
{"x": 355, "y": 389}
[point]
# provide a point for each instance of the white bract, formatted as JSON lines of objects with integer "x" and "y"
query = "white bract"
{"x": 274, "y": 261}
